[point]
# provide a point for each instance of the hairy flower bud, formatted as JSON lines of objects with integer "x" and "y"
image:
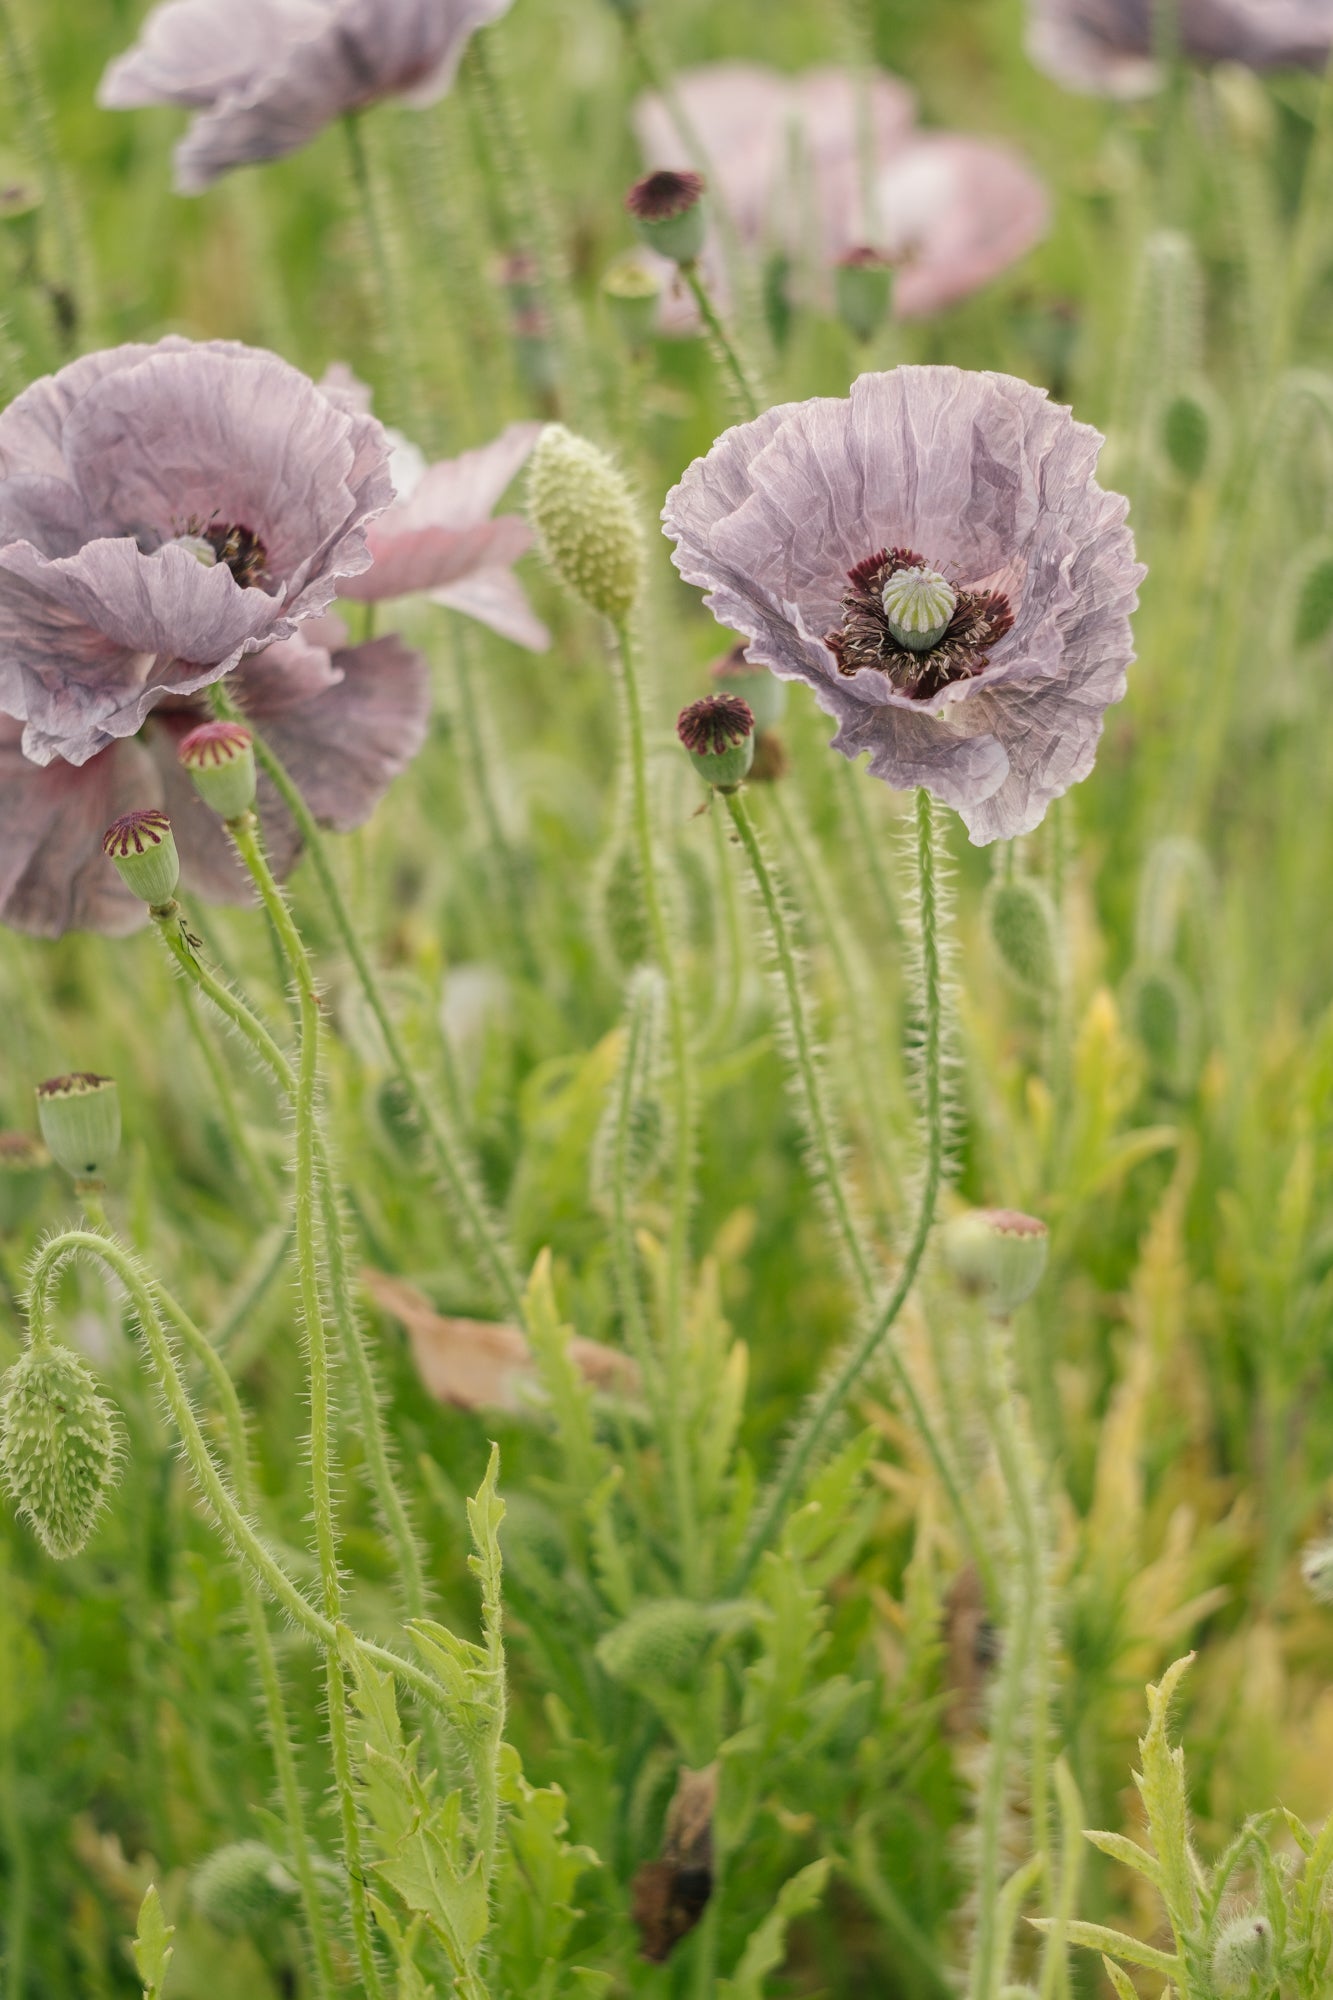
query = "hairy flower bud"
{"x": 143, "y": 849}
{"x": 718, "y": 733}
{"x": 632, "y": 290}
{"x": 762, "y": 692}
{"x": 582, "y": 509}
{"x": 997, "y": 1254}
{"x": 59, "y": 1444}
{"x": 658, "y": 1645}
{"x": 668, "y": 211}
{"x": 863, "y": 292}
{"x": 1243, "y": 1958}
{"x": 1022, "y": 923}
{"x": 245, "y": 1887}
{"x": 24, "y": 1163}
{"x": 80, "y": 1120}
{"x": 220, "y": 759}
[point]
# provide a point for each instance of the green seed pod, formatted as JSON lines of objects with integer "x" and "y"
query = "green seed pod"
{"x": 143, "y": 849}
{"x": 863, "y": 292}
{"x": 1244, "y": 1959}
{"x": 668, "y": 212}
{"x": 658, "y": 1645}
{"x": 918, "y": 604}
{"x": 24, "y": 1164}
{"x": 632, "y": 290}
{"x": 244, "y": 1888}
{"x": 718, "y": 733}
{"x": 220, "y": 759}
{"x": 59, "y": 1445}
{"x": 762, "y": 692}
{"x": 1021, "y": 920}
{"x": 997, "y": 1254}
{"x": 1317, "y": 1570}
{"x": 80, "y": 1120}
{"x": 583, "y": 512}
{"x": 1163, "y": 1014}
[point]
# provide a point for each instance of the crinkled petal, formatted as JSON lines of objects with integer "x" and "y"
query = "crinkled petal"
{"x": 409, "y": 559}
{"x": 182, "y": 58}
{"x": 53, "y": 875}
{"x": 1106, "y": 45}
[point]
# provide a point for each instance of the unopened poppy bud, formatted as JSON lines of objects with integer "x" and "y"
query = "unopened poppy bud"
{"x": 1187, "y": 436}
{"x": 997, "y": 1254}
{"x": 220, "y": 759}
{"x": 863, "y": 292}
{"x": 1243, "y": 1958}
{"x": 764, "y": 694}
{"x": 1161, "y": 1009}
{"x": 718, "y": 733}
{"x": 918, "y": 604}
{"x": 658, "y": 1645}
{"x": 1317, "y": 1570}
{"x": 59, "y": 1444}
{"x": 632, "y": 290}
{"x": 244, "y": 1889}
{"x": 1022, "y": 924}
{"x": 582, "y": 509}
{"x": 143, "y": 848}
{"x": 80, "y": 1120}
{"x": 24, "y": 1164}
{"x": 668, "y": 211}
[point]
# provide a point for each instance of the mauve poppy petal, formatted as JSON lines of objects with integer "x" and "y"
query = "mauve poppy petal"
{"x": 957, "y": 212}
{"x": 409, "y": 559}
{"x": 345, "y": 747}
{"x": 181, "y": 58}
{"x": 460, "y": 492}
{"x": 495, "y": 597}
{"x": 293, "y": 671}
{"x": 1106, "y": 46}
{"x": 54, "y": 876}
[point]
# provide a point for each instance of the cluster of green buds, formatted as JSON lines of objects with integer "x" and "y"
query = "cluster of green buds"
{"x": 79, "y": 1115}
{"x": 718, "y": 734}
{"x": 581, "y": 507}
{"x": 669, "y": 213}
{"x": 997, "y": 1255}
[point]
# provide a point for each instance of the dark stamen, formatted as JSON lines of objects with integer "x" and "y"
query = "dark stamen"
{"x": 865, "y": 642}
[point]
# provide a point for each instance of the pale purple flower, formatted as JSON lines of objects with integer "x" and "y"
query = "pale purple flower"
{"x": 936, "y": 501}
{"x": 784, "y": 158}
{"x": 164, "y": 511}
{"x": 264, "y": 77}
{"x": 344, "y": 720}
{"x": 1108, "y": 46}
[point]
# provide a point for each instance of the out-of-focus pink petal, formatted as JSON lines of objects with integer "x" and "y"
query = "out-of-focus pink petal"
{"x": 54, "y": 876}
{"x": 1106, "y": 46}
{"x": 410, "y": 559}
{"x": 346, "y": 746}
{"x": 495, "y": 597}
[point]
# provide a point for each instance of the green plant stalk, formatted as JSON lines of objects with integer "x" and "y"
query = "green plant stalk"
{"x": 828, "y": 1152}
{"x": 622, "y": 1229}
{"x": 19, "y": 1899}
{"x": 55, "y": 190}
{"x": 242, "y": 1146}
{"x": 244, "y": 836}
{"x": 826, "y": 1402}
{"x": 479, "y": 765}
{"x": 683, "y": 1108}
{"x": 489, "y": 1247}
{"x": 745, "y": 392}
{"x": 731, "y": 985}
{"x": 389, "y": 299}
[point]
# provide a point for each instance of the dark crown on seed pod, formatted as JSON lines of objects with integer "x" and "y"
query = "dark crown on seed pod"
{"x": 143, "y": 849}
{"x": 220, "y": 759}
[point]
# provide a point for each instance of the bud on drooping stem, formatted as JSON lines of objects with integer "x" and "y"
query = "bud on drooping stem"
{"x": 220, "y": 759}
{"x": 80, "y": 1119}
{"x": 59, "y": 1444}
{"x": 143, "y": 849}
{"x": 668, "y": 211}
{"x": 718, "y": 733}
{"x": 581, "y": 507}
{"x": 997, "y": 1254}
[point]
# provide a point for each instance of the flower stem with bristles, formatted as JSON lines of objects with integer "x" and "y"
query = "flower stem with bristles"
{"x": 477, "y": 749}
{"x": 491, "y": 1251}
{"x": 745, "y": 393}
{"x": 244, "y": 835}
{"x": 391, "y": 317}
{"x": 683, "y": 1108}
{"x": 827, "y": 1401}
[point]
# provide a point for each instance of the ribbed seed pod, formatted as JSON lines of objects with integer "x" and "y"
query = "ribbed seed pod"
{"x": 59, "y": 1444}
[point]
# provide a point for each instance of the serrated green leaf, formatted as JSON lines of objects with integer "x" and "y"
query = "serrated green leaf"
{"x": 1130, "y": 1853}
{"x": 767, "y": 1946}
{"x": 152, "y": 1943}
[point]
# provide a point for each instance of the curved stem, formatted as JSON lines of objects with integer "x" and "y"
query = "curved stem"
{"x": 828, "y": 1400}
{"x": 745, "y": 392}
{"x": 469, "y": 1203}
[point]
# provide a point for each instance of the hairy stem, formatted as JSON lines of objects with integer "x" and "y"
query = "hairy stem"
{"x": 388, "y": 294}
{"x": 745, "y": 392}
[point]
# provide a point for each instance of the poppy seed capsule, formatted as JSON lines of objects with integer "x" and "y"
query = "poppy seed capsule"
{"x": 59, "y": 1444}
{"x": 718, "y": 733}
{"x": 918, "y": 604}
{"x": 863, "y": 292}
{"x": 220, "y": 759}
{"x": 996, "y": 1254}
{"x": 763, "y": 693}
{"x": 143, "y": 848}
{"x": 80, "y": 1119}
{"x": 668, "y": 211}
{"x": 580, "y": 504}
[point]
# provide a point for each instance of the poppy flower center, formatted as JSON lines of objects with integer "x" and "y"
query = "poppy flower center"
{"x": 237, "y": 547}
{"x": 903, "y": 618}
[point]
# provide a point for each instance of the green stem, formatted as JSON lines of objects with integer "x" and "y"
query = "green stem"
{"x": 36, "y": 113}
{"x": 731, "y": 985}
{"x": 745, "y": 393}
{"x": 637, "y": 1039}
{"x": 388, "y": 296}
{"x": 479, "y": 767}
{"x": 469, "y": 1204}
{"x": 827, "y": 1401}
{"x": 244, "y": 835}
{"x": 243, "y": 1149}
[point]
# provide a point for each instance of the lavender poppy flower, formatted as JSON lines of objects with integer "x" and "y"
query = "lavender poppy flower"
{"x": 344, "y": 720}
{"x": 933, "y": 557}
{"x": 264, "y": 77}
{"x": 1107, "y": 45}
{"x": 163, "y": 511}
{"x": 951, "y": 212}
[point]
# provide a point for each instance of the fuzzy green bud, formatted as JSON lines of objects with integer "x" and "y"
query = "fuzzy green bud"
{"x": 1021, "y": 920}
{"x": 582, "y": 509}
{"x": 918, "y": 604}
{"x": 997, "y": 1254}
{"x": 59, "y": 1443}
{"x": 143, "y": 849}
{"x": 1317, "y": 1570}
{"x": 632, "y": 290}
{"x": 658, "y": 1645}
{"x": 863, "y": 292}
{"x": 80, "y": 1120}
{"x": 244, "y": 1888}
{"x": 220, "y": 759}
{"x": 718, "y": 733}
{"x": 1243, "y": 1959}
{"x": 24, "y": 1165}
{"x": 762, "y": 692}
{"x": 668, "y": 211}
{"x": 1161, "y": 1009}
